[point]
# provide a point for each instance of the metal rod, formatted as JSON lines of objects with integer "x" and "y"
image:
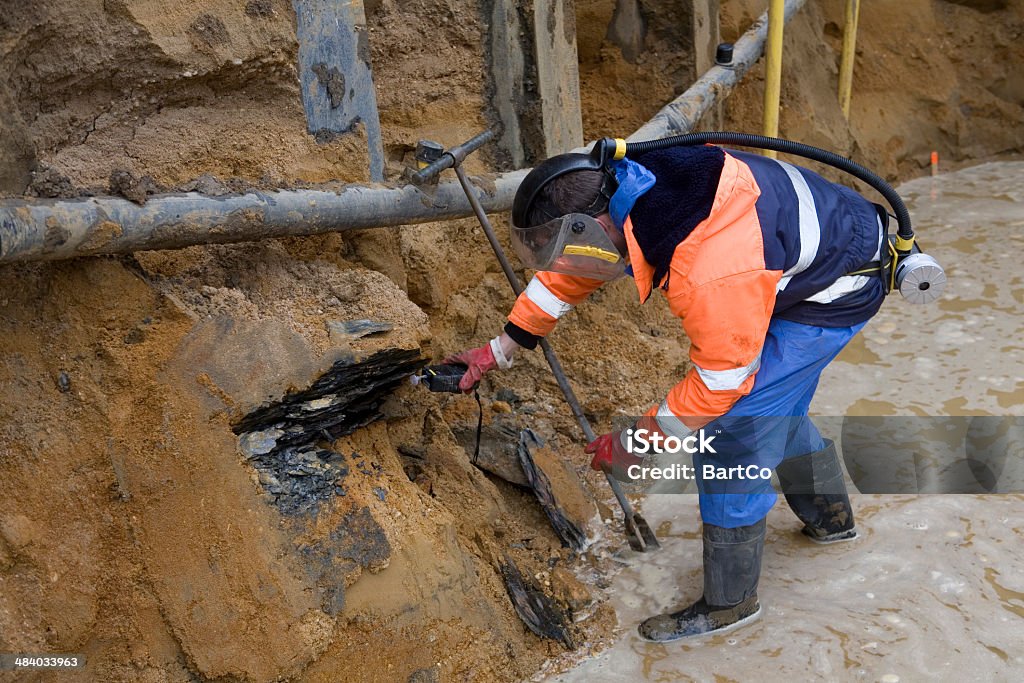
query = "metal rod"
{"x": 453, "y": 157}
{"x": 849, "y": 56}
{"x": 773, "y": 71}
{"x": 506, "y": 267}
{"x": 485, "y": 223}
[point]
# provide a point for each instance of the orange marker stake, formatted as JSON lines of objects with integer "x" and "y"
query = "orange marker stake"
{"x": 935, "y": 163}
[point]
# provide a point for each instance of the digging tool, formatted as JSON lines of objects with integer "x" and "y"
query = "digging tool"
{"x": 638, "y": 532}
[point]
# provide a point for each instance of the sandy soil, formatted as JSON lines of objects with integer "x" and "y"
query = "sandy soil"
{"x": 131, "y": 527}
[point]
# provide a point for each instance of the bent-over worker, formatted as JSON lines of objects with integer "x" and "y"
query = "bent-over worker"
{"x": 759, "y": 259}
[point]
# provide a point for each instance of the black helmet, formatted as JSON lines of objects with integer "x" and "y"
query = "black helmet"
{"x": 529, "y": 192}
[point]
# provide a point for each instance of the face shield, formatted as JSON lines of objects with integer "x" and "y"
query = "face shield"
{"x": 574, "y": 244}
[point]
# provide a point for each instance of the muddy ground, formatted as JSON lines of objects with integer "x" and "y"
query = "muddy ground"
{"x": 132, "y": 527}
{"x": 934, "y": 586}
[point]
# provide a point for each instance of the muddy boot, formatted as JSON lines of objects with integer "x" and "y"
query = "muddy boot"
{"x": 732, "y": 566}
{"x": 815, "y": 490}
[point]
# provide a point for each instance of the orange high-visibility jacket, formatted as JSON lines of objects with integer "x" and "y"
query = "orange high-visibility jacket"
{"x": 720, "y": 285}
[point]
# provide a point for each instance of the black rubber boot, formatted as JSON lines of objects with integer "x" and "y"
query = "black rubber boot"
{"x": 815, "y": 490}
{"x": 732, "y": 567}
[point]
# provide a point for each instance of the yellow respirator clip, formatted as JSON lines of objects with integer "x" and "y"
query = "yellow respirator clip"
{"x": 620, "y": 149}
{"x": 595, "y": 252}
{"x": 903, "y": 244}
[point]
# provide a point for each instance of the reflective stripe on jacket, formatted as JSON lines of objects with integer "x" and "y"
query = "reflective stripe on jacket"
{"x": 547, "y": 298}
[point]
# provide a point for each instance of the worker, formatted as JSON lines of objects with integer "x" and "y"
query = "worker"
{"x": 765, "y": 264}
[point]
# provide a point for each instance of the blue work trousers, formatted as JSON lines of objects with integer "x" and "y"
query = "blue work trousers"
{"x": 769, "y": 424}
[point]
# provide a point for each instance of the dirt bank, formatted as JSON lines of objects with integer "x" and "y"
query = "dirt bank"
{"x": 929, "y": 75}
{"x": 134, "y": 529}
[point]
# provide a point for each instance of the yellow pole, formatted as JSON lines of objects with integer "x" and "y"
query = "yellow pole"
{"x": 773, "y": 69}
{"x": 849, "y": 52}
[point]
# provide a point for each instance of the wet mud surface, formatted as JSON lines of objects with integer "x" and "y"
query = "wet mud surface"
{"x": 932, "y": 589}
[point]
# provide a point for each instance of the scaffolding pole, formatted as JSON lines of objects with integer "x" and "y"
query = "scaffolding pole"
{"x": 849, "y": 55}
{"x": 773, "y": 71}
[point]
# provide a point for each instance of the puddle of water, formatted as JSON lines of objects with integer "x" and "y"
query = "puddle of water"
{"x": 1009, "y": 399}
{"x": 1010, "y": 600}
{"x": 934, "y": 588}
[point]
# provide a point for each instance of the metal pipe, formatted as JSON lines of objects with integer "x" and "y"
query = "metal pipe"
{"x": 67, "y": 228}
{"x": 849, "y": 55}
{"x": 773, "y": 71}
{"x": 682, "y": 114}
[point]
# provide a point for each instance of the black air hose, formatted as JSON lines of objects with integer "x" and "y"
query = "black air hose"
{"x": 787, "y": 147}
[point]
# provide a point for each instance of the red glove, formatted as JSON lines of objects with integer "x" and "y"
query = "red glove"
{"x": 607, "y": 449}
{"x": 609, "y": 452}
{"x": 479, "y": 362}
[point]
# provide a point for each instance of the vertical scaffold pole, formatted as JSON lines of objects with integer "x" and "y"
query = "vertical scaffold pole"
{"x": 849, "y": 54}
{"x": 773, "y": 69}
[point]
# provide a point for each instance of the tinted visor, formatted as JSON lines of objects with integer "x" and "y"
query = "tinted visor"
{"x": 574, "y": 244}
